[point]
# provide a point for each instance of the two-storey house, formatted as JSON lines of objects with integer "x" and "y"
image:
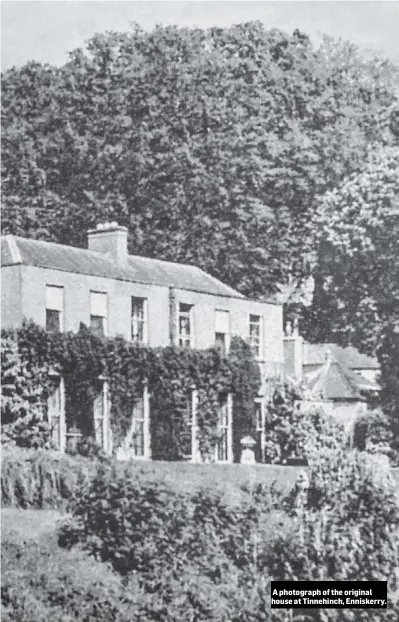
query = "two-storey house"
{"x": 154, "y": 302}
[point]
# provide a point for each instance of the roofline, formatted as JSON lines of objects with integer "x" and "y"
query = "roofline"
{"x": 17, "y": 260}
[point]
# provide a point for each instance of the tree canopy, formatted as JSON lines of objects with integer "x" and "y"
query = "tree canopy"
{"x": 358, "y": 233}
{"x": 212, "y": 146}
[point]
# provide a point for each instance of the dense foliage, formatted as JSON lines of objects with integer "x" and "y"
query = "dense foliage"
{"x": 358, "y": 292}
{"x": 40, "y": 479}
{"x": 295, "y": 431}
{"x": 170, "y": 373}
{"x": 212, "y": 146}
{"x": 346, "y": 529}
{"x": 204, "y": 540}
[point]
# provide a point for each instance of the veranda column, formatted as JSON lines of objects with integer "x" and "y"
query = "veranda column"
{"x": 62, "y": 416}
{"x": 106, "y": 418}
{"x": 230, "y": 457}
{"x": 194, "y": 440}
{"x": 146, "y": 430}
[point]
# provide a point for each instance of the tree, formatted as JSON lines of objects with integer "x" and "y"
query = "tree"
{"x": 210, "y": 145}
{"x": 358, "y": 235}
{"x": 359, "y": 268}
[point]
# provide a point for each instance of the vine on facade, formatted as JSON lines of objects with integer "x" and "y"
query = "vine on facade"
{"x": 84, "y": 359}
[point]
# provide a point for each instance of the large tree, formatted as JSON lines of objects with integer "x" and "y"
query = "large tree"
{"x": 357, "y": 294}
{"x": 210, "y": 145}
{"x": 357, "y": 299}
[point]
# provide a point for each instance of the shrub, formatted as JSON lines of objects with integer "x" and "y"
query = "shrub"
{"x": 40, "y": 479}
{"x": 347, "y": 528}
{"x": 144, "y": 525}
{"x": 293, "y": 432}
{"x": 373, "y": 433}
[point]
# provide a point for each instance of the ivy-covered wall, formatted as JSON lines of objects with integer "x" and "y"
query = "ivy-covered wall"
{"x": 81, "y": 358}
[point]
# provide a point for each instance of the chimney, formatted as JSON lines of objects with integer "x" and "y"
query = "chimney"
{"x": 109, "y": 238}
{"x": 293, "y": 352}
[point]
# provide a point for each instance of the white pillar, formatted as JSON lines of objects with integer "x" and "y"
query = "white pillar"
{"x": 230, "y": 427}
{"x": 147, "y": 434}
{"x": 105, "y": 422}
{"x": 62, "y": 416}
{"x": 194, "y": 410}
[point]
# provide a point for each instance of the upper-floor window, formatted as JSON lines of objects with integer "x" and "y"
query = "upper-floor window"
{"x": 54, "y": 309}
{"x": 186, "y": 336}
{"x": 139, "y": 320}
{"x": 222, "y": 329}
{"x": 99, "y": 313}
{"x": 255, "y": 335}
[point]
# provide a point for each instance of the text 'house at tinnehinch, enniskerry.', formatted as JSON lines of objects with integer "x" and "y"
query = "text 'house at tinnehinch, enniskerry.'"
{"x": 158, "y": 303}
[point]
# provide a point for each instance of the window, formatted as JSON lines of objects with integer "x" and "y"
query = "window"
{"x": 138, "y": 320}
{"x": 98, "y": 313}
{"x": 224, "y": 446}
{"x": 185, "y": 325}
{"x": 260, "y": 430}
{"x": 56, "y": 414}
{"x": 100, "y": 413}
{"x": 139, "y": 443}
{"x": 222, "y": 330}
{"x": 54, "y": 309}
{"x": 255, "y": 335}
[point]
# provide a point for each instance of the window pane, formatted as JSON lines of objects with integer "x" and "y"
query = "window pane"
{"x": 220, "y": 341}
{"x": 138, "y": 319}
{"x": 138, "y": 308}
{"x": 97, "y": 325}
{"x": 185, "y": 328}
{"x": 138, "y": 409}
{"x": 137, "y": 330}
{"x": 137, "y": 443}
{"x": 53, "y": 321}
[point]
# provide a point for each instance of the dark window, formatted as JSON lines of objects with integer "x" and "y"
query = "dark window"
{"x": 255, "y": 334}
{"x": 220, "y": 341}
{"x": 185, "y": 325}
{"x": 53, "y": 321}
{"x": 138, "y": 324}
{"x": 97, "y": 325}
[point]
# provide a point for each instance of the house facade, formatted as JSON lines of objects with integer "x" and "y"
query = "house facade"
{"x": 146, "y": 300}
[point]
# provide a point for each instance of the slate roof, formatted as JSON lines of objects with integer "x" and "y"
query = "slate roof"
{"x": 16, "y": 250}
{"x": 314, "y": 354}
{"x": 335, "y": 381}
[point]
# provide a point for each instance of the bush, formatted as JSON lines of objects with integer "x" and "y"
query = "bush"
{"x": 293, "y": 432}
{"x": 347, "y": 528}
{"x": 40, "y": 479}
{"x": 373, "y": 433}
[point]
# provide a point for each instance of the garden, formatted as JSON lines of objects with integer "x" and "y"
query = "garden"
{"x": 86, "y": 537}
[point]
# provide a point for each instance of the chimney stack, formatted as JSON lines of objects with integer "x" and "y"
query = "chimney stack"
{"x": 109, "y": 238}
{"x": 293, "y": 351}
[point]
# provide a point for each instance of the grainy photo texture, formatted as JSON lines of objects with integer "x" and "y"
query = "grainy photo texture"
{"x": 200, "y": 311}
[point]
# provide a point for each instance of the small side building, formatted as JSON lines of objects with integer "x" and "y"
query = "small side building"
{"x": 342, "y": 379}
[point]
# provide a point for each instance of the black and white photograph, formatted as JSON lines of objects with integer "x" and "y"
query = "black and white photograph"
{"x": 199, "y": 311}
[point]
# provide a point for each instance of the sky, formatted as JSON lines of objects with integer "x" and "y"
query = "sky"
{"x": 47, "y": 30}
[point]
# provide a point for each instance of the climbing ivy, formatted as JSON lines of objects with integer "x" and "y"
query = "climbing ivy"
{"x": 83, "y": 358}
